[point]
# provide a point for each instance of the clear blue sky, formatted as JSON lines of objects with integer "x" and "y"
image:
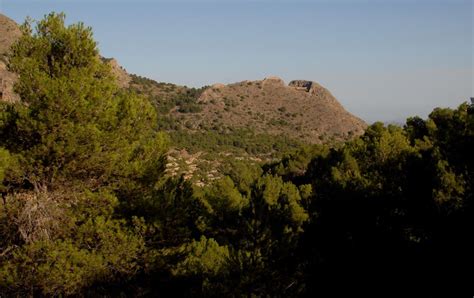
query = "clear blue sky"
{"x": 384, "y": 60}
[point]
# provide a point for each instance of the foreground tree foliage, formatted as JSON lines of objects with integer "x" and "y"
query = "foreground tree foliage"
{"x": 87, "y": 209}
{"x": 70, "y": 149}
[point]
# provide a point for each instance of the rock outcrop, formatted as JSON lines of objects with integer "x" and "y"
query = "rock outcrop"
{"x": 308, "y": 86}
{"x": 301, "y": 85}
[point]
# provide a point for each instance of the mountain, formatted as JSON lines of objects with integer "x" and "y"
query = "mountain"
{"x": 256, "y": 121}
{"x": 253, "y": 120}
{"x": 303, "y": 109}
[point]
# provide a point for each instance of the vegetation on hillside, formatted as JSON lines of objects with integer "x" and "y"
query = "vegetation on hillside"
{"x": 217, "y": 144}
{"x": 87, "y": 208}
{"x": 166, "y": 96}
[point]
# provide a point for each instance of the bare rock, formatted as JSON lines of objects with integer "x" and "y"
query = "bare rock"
{"x": 308, "y": 86}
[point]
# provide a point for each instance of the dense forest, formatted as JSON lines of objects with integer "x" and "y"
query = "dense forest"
{"x": 87, "y": 208}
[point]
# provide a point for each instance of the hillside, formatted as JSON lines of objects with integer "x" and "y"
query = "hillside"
{"x": 255, "y": 121}
{"x": 9, "y": 33}
{"x": 302, "y": 110}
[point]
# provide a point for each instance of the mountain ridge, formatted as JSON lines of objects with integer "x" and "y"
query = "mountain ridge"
{"x": 303, "y": 110}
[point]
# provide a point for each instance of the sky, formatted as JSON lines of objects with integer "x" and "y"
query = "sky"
{"x": 384, "y": 60}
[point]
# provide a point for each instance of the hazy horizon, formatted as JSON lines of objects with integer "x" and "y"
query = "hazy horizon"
{"x": 383, "y": 60}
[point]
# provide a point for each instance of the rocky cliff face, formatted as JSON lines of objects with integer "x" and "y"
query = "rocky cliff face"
{"x": 9, "y": 33}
